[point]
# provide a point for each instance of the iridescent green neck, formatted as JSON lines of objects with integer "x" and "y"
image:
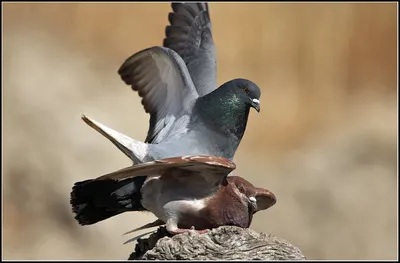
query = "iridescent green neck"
{"x": 224, "y": 111}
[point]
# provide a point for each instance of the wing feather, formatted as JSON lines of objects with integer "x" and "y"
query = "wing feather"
{"x": 213, "y": 168}
{"x": 162, "y": 80}
{"x": 190, "y": 35}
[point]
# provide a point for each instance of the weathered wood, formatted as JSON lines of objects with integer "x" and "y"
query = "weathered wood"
{"x": 223, "y": 243}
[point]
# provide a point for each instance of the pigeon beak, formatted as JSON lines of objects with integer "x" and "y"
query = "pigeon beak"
{"x": 255, "y": 103}
{"x": 253, "y": 202}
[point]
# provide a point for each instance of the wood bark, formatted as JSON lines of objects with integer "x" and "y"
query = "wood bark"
{"x": 223, "y": 243}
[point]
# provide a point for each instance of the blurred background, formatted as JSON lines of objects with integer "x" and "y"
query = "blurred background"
{"x": 325, "y": 141}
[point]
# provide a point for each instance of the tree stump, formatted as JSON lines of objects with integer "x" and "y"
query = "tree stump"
{"x": 223, "y": 243}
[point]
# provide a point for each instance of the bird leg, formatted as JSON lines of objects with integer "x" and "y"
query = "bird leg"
{"x": 202, "y": 231}
{"x": 182, "y": 230}
{"x": 173, "y": 229}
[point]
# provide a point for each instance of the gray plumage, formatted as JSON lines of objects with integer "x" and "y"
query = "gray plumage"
{"x": 190, "y": 35}
{"x": 177, "y": 84}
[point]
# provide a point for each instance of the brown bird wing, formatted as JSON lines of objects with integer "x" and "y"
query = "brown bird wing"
{"x": 213, "y": 168}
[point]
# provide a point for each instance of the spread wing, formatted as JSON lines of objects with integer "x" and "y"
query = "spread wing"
{"x": 163, "y": 82}
{"x": 213, "y": 169}
{"x": 190, "y": 35}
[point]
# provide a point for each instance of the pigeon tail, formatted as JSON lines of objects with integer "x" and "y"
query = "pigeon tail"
{"x": 96, "y": 200}
{"x": 135, "y": 150}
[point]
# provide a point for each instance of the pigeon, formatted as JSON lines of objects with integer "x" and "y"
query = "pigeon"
{"x": 185, "y": 193}
{"x": 189, "y": 115}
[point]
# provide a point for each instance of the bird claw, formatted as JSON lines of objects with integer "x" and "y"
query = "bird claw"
{"x": 190, "y": 230}
{"x": 203, "y": 231}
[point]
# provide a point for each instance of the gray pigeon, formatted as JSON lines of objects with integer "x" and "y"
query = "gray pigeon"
{"x": 189, "y": 115}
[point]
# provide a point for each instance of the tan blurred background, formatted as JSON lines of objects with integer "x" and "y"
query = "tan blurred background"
{"x": 324, "y": 141}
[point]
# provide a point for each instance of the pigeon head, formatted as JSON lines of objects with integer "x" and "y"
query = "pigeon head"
{"x": 257, "y": 199}
{"x": 226, "y": 110}
{"x": 236, "y": 202}
{"x": 245, "y": 91}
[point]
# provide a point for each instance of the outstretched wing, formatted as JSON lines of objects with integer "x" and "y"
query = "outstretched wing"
{"x": 162, "y": 80}
{"x": 213, "y": 169}
{"x": 190, "y": 35}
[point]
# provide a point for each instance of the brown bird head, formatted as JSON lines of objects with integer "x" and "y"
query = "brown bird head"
{"x": 257, "y": 198}
{"x": 236, "y": 202}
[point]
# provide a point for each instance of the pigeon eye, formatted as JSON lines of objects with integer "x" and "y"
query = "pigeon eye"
{"x": 246, "y": 89}
{"x": 241, "y": 189}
